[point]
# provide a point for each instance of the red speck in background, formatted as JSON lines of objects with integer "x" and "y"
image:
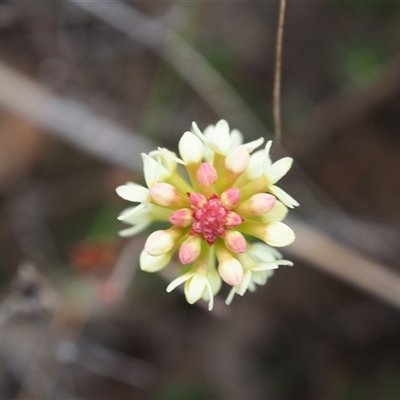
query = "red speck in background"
{"x": 94, "y": 256}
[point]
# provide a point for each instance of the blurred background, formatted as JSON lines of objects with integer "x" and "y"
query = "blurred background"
{"x": 85, "y": 87}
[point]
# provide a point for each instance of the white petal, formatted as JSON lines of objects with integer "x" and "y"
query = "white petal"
{"x": 220, "y": 139}
{"x": 198, "y": 132}
{"x": 133, "y": 192}
{"x": 261, "y": 277}
{"x": 267, "y": 158}
{"x": 253, "y": 286}
{"x": 279, "y": 169}
{"x": 134, "y": 229}
{"x": 179, "y": 280}
{"x": 237, "y": 160}
{"x": 149, "y": 263}
{"x": 256, "y": 165}
{"x": 127, "y": 212}
{"x": 214, "y": 279}
{"x": 285, "y": 198}
{"x": 194, "y": 288}
{"x": 265, "y": 267}
{"x": 279, "y": 234}
{"x": 230, "y": 297}
{"x": 168, "y": 158}
{"x": 262, "y": 252}
{"x": 278, "y": 212}
{"x": 209, "y": 155}
{"x": 284, "y": 262}
{"x": 251, "y": 146}
{"x": 151, "y": 169}
{"x": 208, "y": 132}
{"x": 191, "y": 148}
{"x": 130, "y": 212}
{"x": 236, "y": 139}
{"x": 241, "y": 290}
{"x": 210, "y": 296}
{"x": 206, "y": 139}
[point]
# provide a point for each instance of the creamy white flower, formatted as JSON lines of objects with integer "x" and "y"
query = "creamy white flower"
{"x": 275, "y": 171}
{"x": 261, "y": 175}
{"x": 167, "y": 158}
{"x": 284, "y": 197}
{"x": 277, "y": 213}
{"x": 263, "y": 253}
{"x": 235, "y": 139}
{"x": 256, "y": 165}
{"x": 197, "y": 285}
{"x": 154, "y": 171}
{"x": 141, "y": 216}
{"x": 274, "y": 233}
{"x": 259, "y": 264}
{"x": 219, "y": 139}
{"x": 231, "y": 193}
{"x": 191, "y": 148}
{"x": 133, "y": 192}
{"x": 150, "y": 263}
{"x": 135, "y": 229}
{"x": 215, "y": 282}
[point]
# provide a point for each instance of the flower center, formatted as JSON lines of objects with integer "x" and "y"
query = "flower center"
{"x": 210, "y": 218}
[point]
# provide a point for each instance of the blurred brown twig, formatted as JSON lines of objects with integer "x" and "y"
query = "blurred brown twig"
{"x": 210, "y": 85}
{"x": 278, "y": 70}
{"x": 71, "y": 120}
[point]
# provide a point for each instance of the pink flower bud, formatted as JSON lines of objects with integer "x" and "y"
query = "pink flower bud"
{"x": 233, "y": 219}
{"x": 197, "y": 200}
{"x": 190, "y": 249}
{"x": 258, "y": 204}
{"x": 166, "y": 195}
{"x": 231, "y": 271}
{"x": 181, "y": 218}
{"x": 235, "y": 241}
{"x": 261, "y": 203}
{"x": 160, "y": 242}
{"x": 230, "y": 198}
{"x": 206, "y": 175}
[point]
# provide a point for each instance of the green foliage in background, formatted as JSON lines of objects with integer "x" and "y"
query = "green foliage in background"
{"x": 361, "y": 62}
{"x": 179, "y": 389}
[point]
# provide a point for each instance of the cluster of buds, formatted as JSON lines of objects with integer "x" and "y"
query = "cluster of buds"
{"x": 228, "y": 195}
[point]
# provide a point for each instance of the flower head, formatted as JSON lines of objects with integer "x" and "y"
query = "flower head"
{"x": 230, "y": 194}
